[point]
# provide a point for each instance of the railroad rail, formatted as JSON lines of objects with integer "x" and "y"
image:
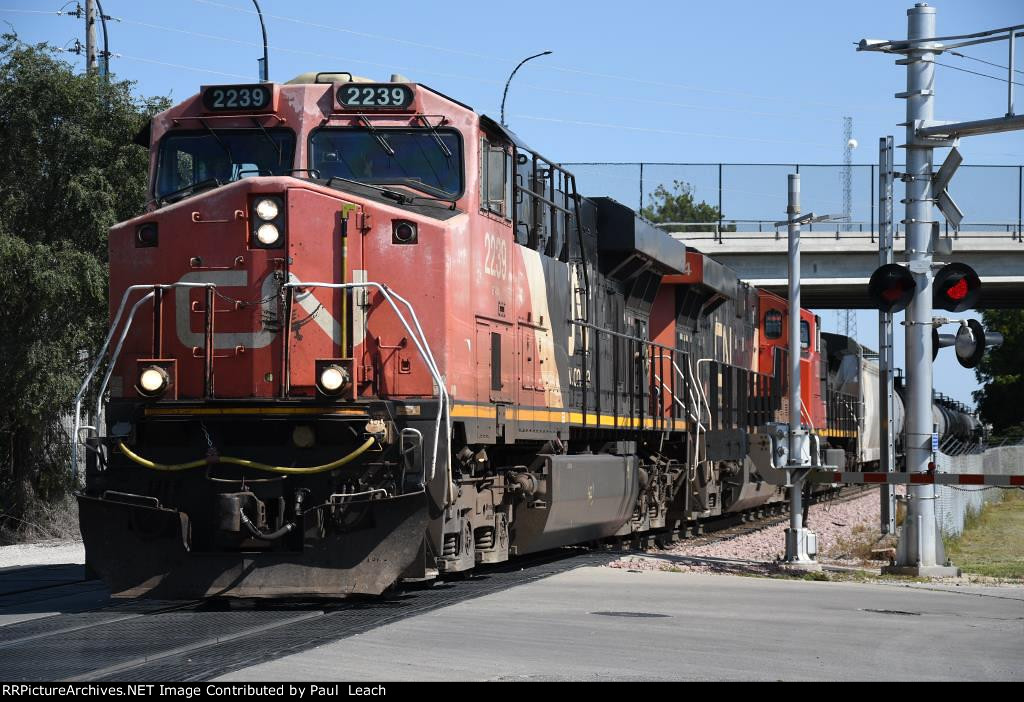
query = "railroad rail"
{"x": 139, "y": 640}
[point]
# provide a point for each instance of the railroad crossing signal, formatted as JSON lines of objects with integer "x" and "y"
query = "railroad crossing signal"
{"x": 956, "y": 288}
{"x": 891, "y": 288}
{"x": 971, "y": 342}
{"x": 949, "y": 209}
{"x": 940, "y": 341}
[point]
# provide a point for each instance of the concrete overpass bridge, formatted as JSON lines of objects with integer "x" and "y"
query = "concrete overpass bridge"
{"x": 835, "y": 266}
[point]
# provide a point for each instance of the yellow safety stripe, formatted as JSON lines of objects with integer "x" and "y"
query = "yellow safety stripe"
{"x": 839, "y": 433}
{"x": 561, "y": 416}
{"x": 216, "y": 411}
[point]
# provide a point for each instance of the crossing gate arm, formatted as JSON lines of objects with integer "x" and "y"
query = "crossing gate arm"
{"x": 826, "y": 476}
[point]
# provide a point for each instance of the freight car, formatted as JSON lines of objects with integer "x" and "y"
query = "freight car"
{"x": 364, "y": 333}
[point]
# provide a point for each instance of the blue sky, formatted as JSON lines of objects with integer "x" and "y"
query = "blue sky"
{"x": 741, "y": 81}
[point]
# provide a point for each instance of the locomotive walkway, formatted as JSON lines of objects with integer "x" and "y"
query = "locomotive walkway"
{"x": 835, "y": 267}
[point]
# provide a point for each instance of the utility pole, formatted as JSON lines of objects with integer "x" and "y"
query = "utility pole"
{"x": 801, "y": 544}
{"x": 91, "y": 64}
{"x": 886, "y": 359}
{"x": 920, "y": 551}
{"x": 920, "y": 545}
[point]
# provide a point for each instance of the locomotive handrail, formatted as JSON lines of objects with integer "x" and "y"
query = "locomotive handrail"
{"x": 424, "y": 349}
{"x": 77, "y": 425}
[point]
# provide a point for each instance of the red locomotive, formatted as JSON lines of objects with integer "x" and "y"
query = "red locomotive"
{"x": 364, "y": 333}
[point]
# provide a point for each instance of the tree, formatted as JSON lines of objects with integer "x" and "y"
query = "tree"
{"x": 678, "y": 205}
{"x": 1001, "y": 374}
{"x": 70, "y": 172}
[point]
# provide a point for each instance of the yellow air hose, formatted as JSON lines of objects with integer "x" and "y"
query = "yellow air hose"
{"x": 247, "y": 463}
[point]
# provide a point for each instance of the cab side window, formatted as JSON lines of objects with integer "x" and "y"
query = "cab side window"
{"x": 805, "y": 335}
{"x": 495, "y": 179}
{"x": 773, "y": 324}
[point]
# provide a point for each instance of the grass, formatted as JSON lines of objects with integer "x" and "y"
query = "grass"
{"x": 862, "y": 540}
{"x": 992, "y": 542}
{"x": 43, "y": 522}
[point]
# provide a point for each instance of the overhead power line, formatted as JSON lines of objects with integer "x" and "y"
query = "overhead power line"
{"x": 562, "y": 91}
{"x": 974, "y": 73}
{"x": 29, "y": 12}
{"x": 656, "y": 130}
{"x": 565, "y": 69}
{"x": 987, "y": 63}
{"x": 182, "y": 66}
{"x": 345, "y": 30}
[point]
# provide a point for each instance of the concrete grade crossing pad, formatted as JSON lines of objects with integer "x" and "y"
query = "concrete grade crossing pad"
{"x": 596, "y": 624}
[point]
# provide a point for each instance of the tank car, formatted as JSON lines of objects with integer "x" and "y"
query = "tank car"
{"x": 363, "y": 333}
{"x": 853, "y": 380}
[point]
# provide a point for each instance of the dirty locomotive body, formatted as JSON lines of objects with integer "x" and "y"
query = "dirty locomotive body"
{"x": 363, "y": 333}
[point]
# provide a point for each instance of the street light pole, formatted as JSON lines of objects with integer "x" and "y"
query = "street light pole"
{"x": 264, "y": 67}
{"x": 105, "y": 70}
{"x": 505, "y": 94}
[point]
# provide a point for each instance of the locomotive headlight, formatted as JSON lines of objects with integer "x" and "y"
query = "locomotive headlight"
{"x": 332, "y": 378}
{"x": 153, "y": 380}
{"x": 267, "y": 210}
{"x": 267, "y": 234}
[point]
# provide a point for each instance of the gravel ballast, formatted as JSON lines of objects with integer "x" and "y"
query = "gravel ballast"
{"x": 834, "y": 523}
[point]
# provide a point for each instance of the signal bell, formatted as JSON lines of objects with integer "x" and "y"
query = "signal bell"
{"x": 971, "y": 342}
{"x": 956, "y": 288}
{"x": 940, "y": 341}
{"x": 891, "y": 288}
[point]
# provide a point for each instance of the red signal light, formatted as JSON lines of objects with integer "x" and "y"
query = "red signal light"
{"x": 893, "y": 294}
{"x": 956, "y": 288}
{"x": 891, "y": 288}
{"x": 958, "y": 291}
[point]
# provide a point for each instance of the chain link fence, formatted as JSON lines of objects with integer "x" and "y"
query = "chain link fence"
{"x": 752, "y": 197}
{"x": 954, "y": 502}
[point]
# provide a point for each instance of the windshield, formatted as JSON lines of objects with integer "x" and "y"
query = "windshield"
{"x": 413, "y": 157}
{"x": 190, "y": 158}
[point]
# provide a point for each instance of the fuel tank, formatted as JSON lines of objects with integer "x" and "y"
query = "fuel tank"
{"x": 578, "y": 498}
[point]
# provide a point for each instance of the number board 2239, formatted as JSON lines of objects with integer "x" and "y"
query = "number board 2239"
{"x": 375, "y": 96}
{"x": 238, "y": 98}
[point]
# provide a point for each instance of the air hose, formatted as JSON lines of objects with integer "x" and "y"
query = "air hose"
{"x": 287, "y": 470}
{"x": 257, "y": 534}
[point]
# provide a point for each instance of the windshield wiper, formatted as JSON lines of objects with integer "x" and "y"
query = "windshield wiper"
{"x": 377, "y": 135}
{"x": 400, "y": 198}
{"x": 271, "y": 139}
{"x": 430, "y": 198}
{"x": 437, "y": 137}
{"x": 188, "y": 190}
{"x": 219, "y": 140}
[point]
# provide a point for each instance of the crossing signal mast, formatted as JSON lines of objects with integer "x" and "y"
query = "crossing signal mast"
{"x": 955, "y": 287}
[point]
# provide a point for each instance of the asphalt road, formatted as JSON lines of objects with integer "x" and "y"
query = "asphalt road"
{"x": 609, "y": 624}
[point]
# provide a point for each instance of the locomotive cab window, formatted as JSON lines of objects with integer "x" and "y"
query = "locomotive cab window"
{"x": 428, "y": 160}
{"x": 805, "y": 335}
{"x": 218, "y": 156}
{"x": 495, "y": 179}
{"x": 773, "y": 324}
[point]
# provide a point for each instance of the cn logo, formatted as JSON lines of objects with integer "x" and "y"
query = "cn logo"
{"x": 269, "y": 294}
